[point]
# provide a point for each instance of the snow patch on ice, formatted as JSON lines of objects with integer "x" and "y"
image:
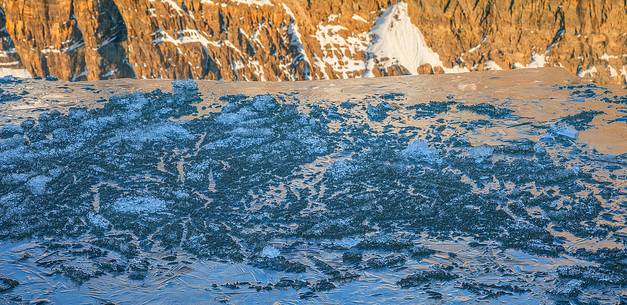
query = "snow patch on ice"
{"x": 264, "y": 103}
{"x": 37, "y": 184}
{"x": 482, "y": 152}
{"x": 135, "y": 205}
{"x": 342, "y": 169}
{"x": 565, "y": 131}
{"x": 235, "y": 118}
{"x": 152, "y": 133}
{"x": 270, "y": 252}
{"x": 98, "y": 220}
{"x": 420, "y": 150}
{"x": 348, "y": 242}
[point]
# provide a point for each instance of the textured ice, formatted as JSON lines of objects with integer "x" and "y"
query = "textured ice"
{"x": 7, "y": 284}
{"x": 98, "y": 220}
{"x": 8, "y": 97}
{"x": 432, "y": 108}
{"x": 564, "y": 131}
{"x": 139, "y": 205}
{"x": 311, "y": 200}
{"x": 342, "y": 169}
{"x": 379, "y": 112}
{"x": 151, "y": 134}
{"x": 481, "y": 152}
{"x": 487, "y": 109}
{"x": 37, "y": 184}
{"x": 270, "y": 252}
{"x": 420, "y": 150}
{"x": 347, "y": 242}
{"x": 264, "y": 103}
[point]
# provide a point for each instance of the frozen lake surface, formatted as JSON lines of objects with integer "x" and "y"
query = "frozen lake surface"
{"x": 495, "y": 188}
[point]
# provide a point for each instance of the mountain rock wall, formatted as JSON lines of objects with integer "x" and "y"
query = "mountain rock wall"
{"x": 305, "y": 39}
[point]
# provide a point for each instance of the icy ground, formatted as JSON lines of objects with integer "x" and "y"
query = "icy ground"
{"x": 274, "y": 198}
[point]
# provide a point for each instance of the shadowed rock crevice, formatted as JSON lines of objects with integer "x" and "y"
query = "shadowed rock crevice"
{"x": 107, "y": 54}
{"x": 561, "y": 30}
{"x": 74, "y": 47}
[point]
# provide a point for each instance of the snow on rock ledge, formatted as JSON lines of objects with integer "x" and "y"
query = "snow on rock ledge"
{"x": 397, "y": 41}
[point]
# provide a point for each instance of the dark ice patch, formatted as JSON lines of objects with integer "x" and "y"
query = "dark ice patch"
{"x": 580, "y": 121}
{"x": 579, "y": 93}
{"x": 7, "y": 283}
{"x": 487, "y": 110}
{"x": 6, "y": 96}
{"x": 489, "y": 291}
{"x": 431, "y": 108}
{"x": 391, "y": 96}
{"x": 436, "y": 273}
{"x": 378, "y": 112}
{"x": 616, "y": 99}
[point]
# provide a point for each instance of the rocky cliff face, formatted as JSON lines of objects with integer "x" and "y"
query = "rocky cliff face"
{"x": 9, "y": 59}
{"x": 298, "y": 39}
